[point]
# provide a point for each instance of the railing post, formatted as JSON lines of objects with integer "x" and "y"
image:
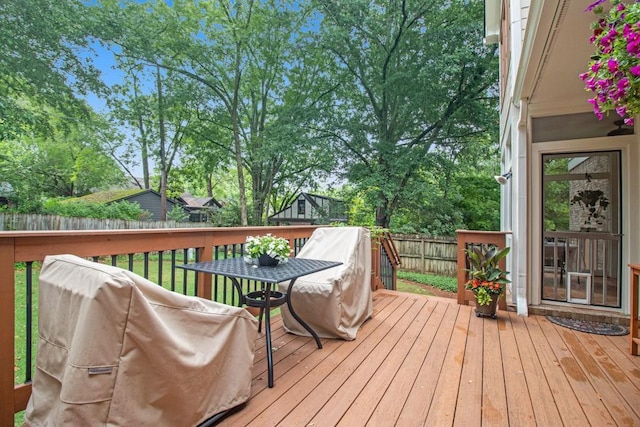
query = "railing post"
{"x": 205, "y": 280}
{"x": 462, "y": 264}
{"x": 376, "y": 248}
{"x": 633, "y": 315}
{"x": 7, "y": 331}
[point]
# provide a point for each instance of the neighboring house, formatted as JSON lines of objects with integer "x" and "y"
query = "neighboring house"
{"x": 6, "y": 194}
{"x": 200, "y": 208}
{"x": 148, "y": 200}
{"x": 555, "y": 147}
{"x": 310, "y": 208}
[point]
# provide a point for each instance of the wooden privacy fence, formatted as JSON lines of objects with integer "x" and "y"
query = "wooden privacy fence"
{"x": 33, "y": 222}
{"x": 427, "y": 254}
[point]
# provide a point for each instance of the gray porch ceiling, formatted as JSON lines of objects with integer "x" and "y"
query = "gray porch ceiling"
{"x": 559, "y": 51}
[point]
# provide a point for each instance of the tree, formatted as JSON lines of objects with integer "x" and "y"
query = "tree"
{"x": 69, "y": 163}
{"x": 133, "y": 109}
{"x": 40, "y": 73}
{"x": 52, "y": 142}
{"x": 206, "y": 160}
{"x": 158, "y": 107}
{"x": 413, "y": 77}
{"x": 244, "y": 55}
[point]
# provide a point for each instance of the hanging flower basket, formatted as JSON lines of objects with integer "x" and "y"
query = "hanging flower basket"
{"x": 613, "y": 73}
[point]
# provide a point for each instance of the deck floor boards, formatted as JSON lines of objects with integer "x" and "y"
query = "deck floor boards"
{"x": 519, "y": 409}
{"x": 429, "y": 361}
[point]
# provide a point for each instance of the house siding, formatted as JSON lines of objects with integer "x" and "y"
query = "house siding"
{"x": 151, "y": 202}
{"x": 317, "y": 210}
{"x": 556, "y": 40}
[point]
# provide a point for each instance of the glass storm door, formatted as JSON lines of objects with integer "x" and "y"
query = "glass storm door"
{"x": 581, "y": 228}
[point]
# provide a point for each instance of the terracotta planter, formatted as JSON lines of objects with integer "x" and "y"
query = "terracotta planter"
{"x": 488, "y": 310}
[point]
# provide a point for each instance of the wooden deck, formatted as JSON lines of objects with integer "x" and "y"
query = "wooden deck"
{"x": 429, "y": 361}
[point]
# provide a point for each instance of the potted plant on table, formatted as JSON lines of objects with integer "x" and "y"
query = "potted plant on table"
{"x": 266, "y": 250}
{"x": 487, "y": 279}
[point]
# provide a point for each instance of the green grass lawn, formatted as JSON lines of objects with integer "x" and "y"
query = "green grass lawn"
{"x": 404, "y": 286}
{"x": 445, "y": 283}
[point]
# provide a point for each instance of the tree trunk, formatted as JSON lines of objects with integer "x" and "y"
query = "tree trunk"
{"x": 383, "y": 217}
{"x": 237, "y": 144}
{"x": 163, "y": 166}
{"x": 209, "y": 183}
{"x": 144, "y": 143}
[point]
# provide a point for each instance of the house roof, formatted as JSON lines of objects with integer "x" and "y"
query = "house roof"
{"x": 198, "y": 202}
{"x": 311, "y": 196}
{"x": 110, "y": 196}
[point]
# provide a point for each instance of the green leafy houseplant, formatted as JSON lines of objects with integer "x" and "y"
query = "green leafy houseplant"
{"x": 613, "y": 73}
{"x": 275, "y": 247}
{"x": 487, "y": 278}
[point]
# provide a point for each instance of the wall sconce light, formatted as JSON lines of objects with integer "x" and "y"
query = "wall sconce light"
{"x": 502, "y": 179}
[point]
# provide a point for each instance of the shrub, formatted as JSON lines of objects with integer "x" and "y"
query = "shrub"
{"x": 79, "y": 209}
{"x": 177, "y": 214}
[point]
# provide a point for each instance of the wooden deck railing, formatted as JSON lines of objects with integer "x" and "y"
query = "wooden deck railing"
{"x": 634, "y": 340}
{"x": 384, "y": 262}
{"x": 114, "y": 246}
{"x": 466, "y": 239}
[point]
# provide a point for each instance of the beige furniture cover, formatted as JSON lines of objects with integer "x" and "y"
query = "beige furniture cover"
{"x": 116, "y": 349}
{"x": 337, "y": 301}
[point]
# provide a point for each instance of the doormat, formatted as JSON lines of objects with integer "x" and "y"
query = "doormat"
{"x": 588, "y": 326}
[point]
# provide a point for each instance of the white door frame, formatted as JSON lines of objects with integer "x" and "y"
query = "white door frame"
{"x": 630, "y": 211}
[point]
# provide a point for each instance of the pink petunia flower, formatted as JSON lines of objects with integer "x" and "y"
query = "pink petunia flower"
{"x": 613, "y": 76}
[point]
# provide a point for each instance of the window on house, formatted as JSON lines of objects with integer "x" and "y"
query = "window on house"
{"x": 301, "y": 207}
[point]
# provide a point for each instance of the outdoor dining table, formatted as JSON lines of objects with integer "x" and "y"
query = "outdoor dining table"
{"x": 238, "y": 268}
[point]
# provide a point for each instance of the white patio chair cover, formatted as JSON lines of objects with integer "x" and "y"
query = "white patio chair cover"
{"x": 337, "y": 301}
{"x": 116, "y": 349}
